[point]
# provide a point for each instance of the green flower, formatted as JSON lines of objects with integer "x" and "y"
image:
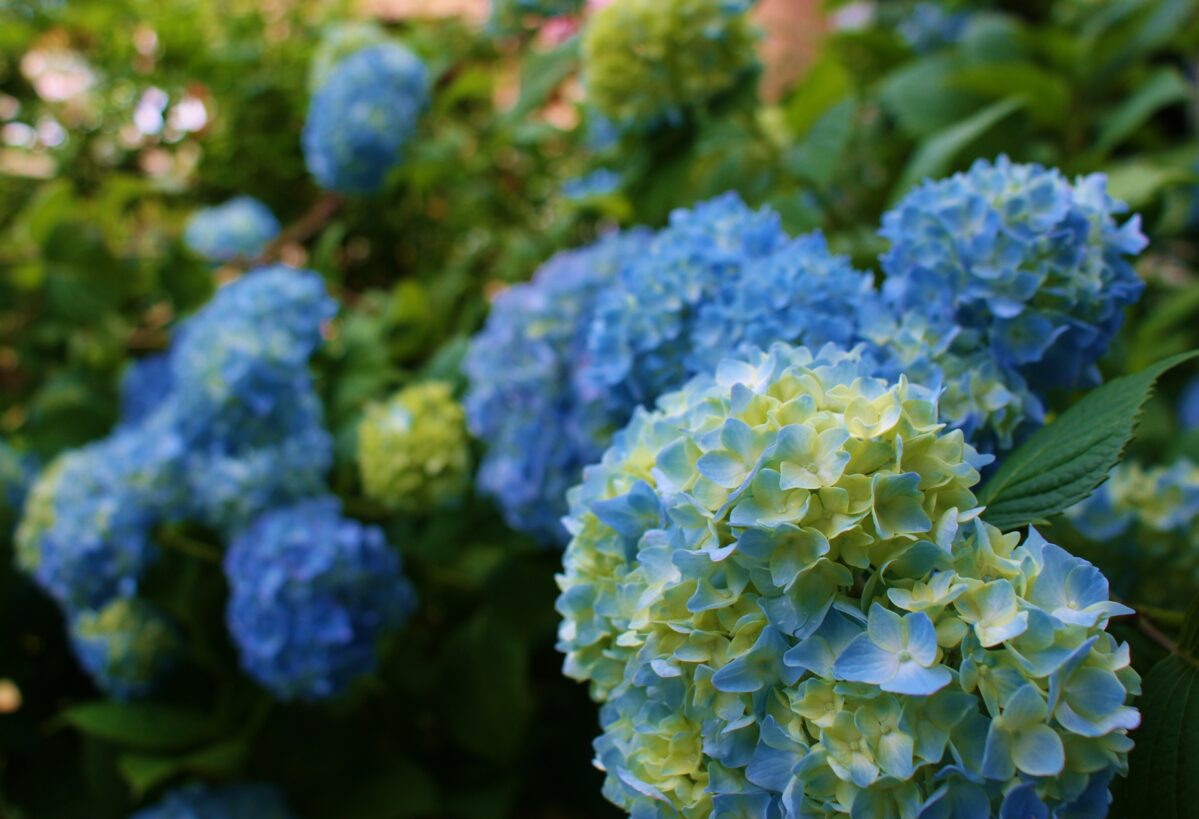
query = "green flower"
{"x": 413, "y": 450}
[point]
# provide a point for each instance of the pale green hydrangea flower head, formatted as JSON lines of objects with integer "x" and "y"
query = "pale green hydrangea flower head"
{"x": 780, "y": 588}
{"x": 646, "y": 61}
{"x": 413, "y": 450}
{"x": 126, "y": 646}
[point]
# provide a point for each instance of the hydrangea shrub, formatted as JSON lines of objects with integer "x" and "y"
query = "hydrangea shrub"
{"x": 338, "y": 43}
{"x": 779, "y": 587}
{"x": 310, "y": 594}
{"x": 413, "y": 450}
{"x": 649, "y": 61}
{"x": 238, "y": 229}
{"x": 363, "y": 116}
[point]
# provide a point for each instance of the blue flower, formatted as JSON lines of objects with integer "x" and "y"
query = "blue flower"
{"x": 599, "y": 182}
{"x": 525, "y": 400}
{"x": 1188, "y": 405}
{"x": 311, "y": 593}
{"x": 85, "y": 535}
{"x": 929, "y": 25}
{"x": 363, "y": 116}
{"x": 724, "y": 550}
{"x": 1030, "y": 267}
{"x": 126, "y": 647}
{"x": 198, "y": 801}
{"x": 238, "y": 229}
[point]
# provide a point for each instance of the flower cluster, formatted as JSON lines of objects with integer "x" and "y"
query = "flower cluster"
{"x": 339, "y": 42}
{"x": 1020, "y": 262}
{"x": 600, "y": 182}
{"x": 227, "y": 802}
{"x": 126, "y": 646}
{"x": 238, "y": 229}
{"x": 1154, "y": 512}
{"x": 363, "y": 116}
{"x": 648, "y": 61}
{"x": 525, "y": 399}
{"x": 310, "y": 594}
{"x": 224, "y": 426}
{"x": 780, "y": 587}
{"x": 413, "y": 451}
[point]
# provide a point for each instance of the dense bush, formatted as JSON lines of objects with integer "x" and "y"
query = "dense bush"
{"x": 334, "y": 351}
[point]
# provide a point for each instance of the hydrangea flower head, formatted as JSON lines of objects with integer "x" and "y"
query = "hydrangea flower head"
{"x": 649, "y": 61}
{"x": 339, "y": 42}
{"x": 243, "y": 397}
{"x": 85, "y": 534}
{"x": 780, "y": 588}
{"x": 226, "y": 802}
{"x": 413, "y": 451}
{"x": 146, "y": 386}
{"x": 363, "y": 116}
{"x": 1154, "y": 510}
{"x": 125, "y": 647}
{"x": 238, "y": 229}
{"x": 1027, "y": 265}
{"x": 525, "y": 397}
{"x": 311, "y": 593}
{"x": 927, "y": 26}
{"x": 599, "y": 182}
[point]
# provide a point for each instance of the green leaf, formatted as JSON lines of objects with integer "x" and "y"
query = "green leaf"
{"x": 935, "y": 157}
{"x": 542, "y": 72}
{"x": 922, "y": 98}
{"x": 818, "y": 157}
{"x": 1162, "y": 766}
{"x": 1061, "y": 464}
{"x": 1046, "y": 95}
{"x": 1137, "y": 183}
{"x": 143, "y": 725}
{"x": 145, "y": 771}
{"x": 825, "y": 85}
{"x": 1166, "y": 87}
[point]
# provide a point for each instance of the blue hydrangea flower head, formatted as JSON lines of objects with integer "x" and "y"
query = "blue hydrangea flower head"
{"x": 1152, "y": 510}
{"x": 779, "y": 586}
{"x": 1030, "y": 267}
{"x": 927, "y": 26}
{"x": 243, "y": 397}
{"x": 413, "y": 450}
{"x": 198, "y": 801}
{"x": 337, "y": 43}
{"x": 85, "y": 534}
{"x": 126, "y": 646}
{"x": 599, "y": 182}
{"x": 17, "y": 474}
{"x": 650, "y": 61}
{"x": 311, "y": 593}
{"x": 238, "y": 229}
{"x": 525, "y": 399}
{"x": 363, "y": 116}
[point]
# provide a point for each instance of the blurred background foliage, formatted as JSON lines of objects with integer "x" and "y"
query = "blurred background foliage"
{"x": 118, "y": 118}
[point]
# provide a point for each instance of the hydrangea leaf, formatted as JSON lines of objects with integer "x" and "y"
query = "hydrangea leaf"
{"x": 1061, "y": 464}
{"x": 150, "y": 726}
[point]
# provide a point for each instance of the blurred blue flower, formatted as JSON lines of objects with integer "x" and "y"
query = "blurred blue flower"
{"x": 525, "y": 400}
{"x": 310, "y": 594}
{"x": 927, "y": 26}
{"x": 600, "y": 182}
{"x": 362, "y": 117}
{"x": 238, "y": 229}
{"x": 1188, "y": 405}
{"x": 1028, "y": 266}
{"x": 126, "y": 646}
{"x": 198, "y": 801}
